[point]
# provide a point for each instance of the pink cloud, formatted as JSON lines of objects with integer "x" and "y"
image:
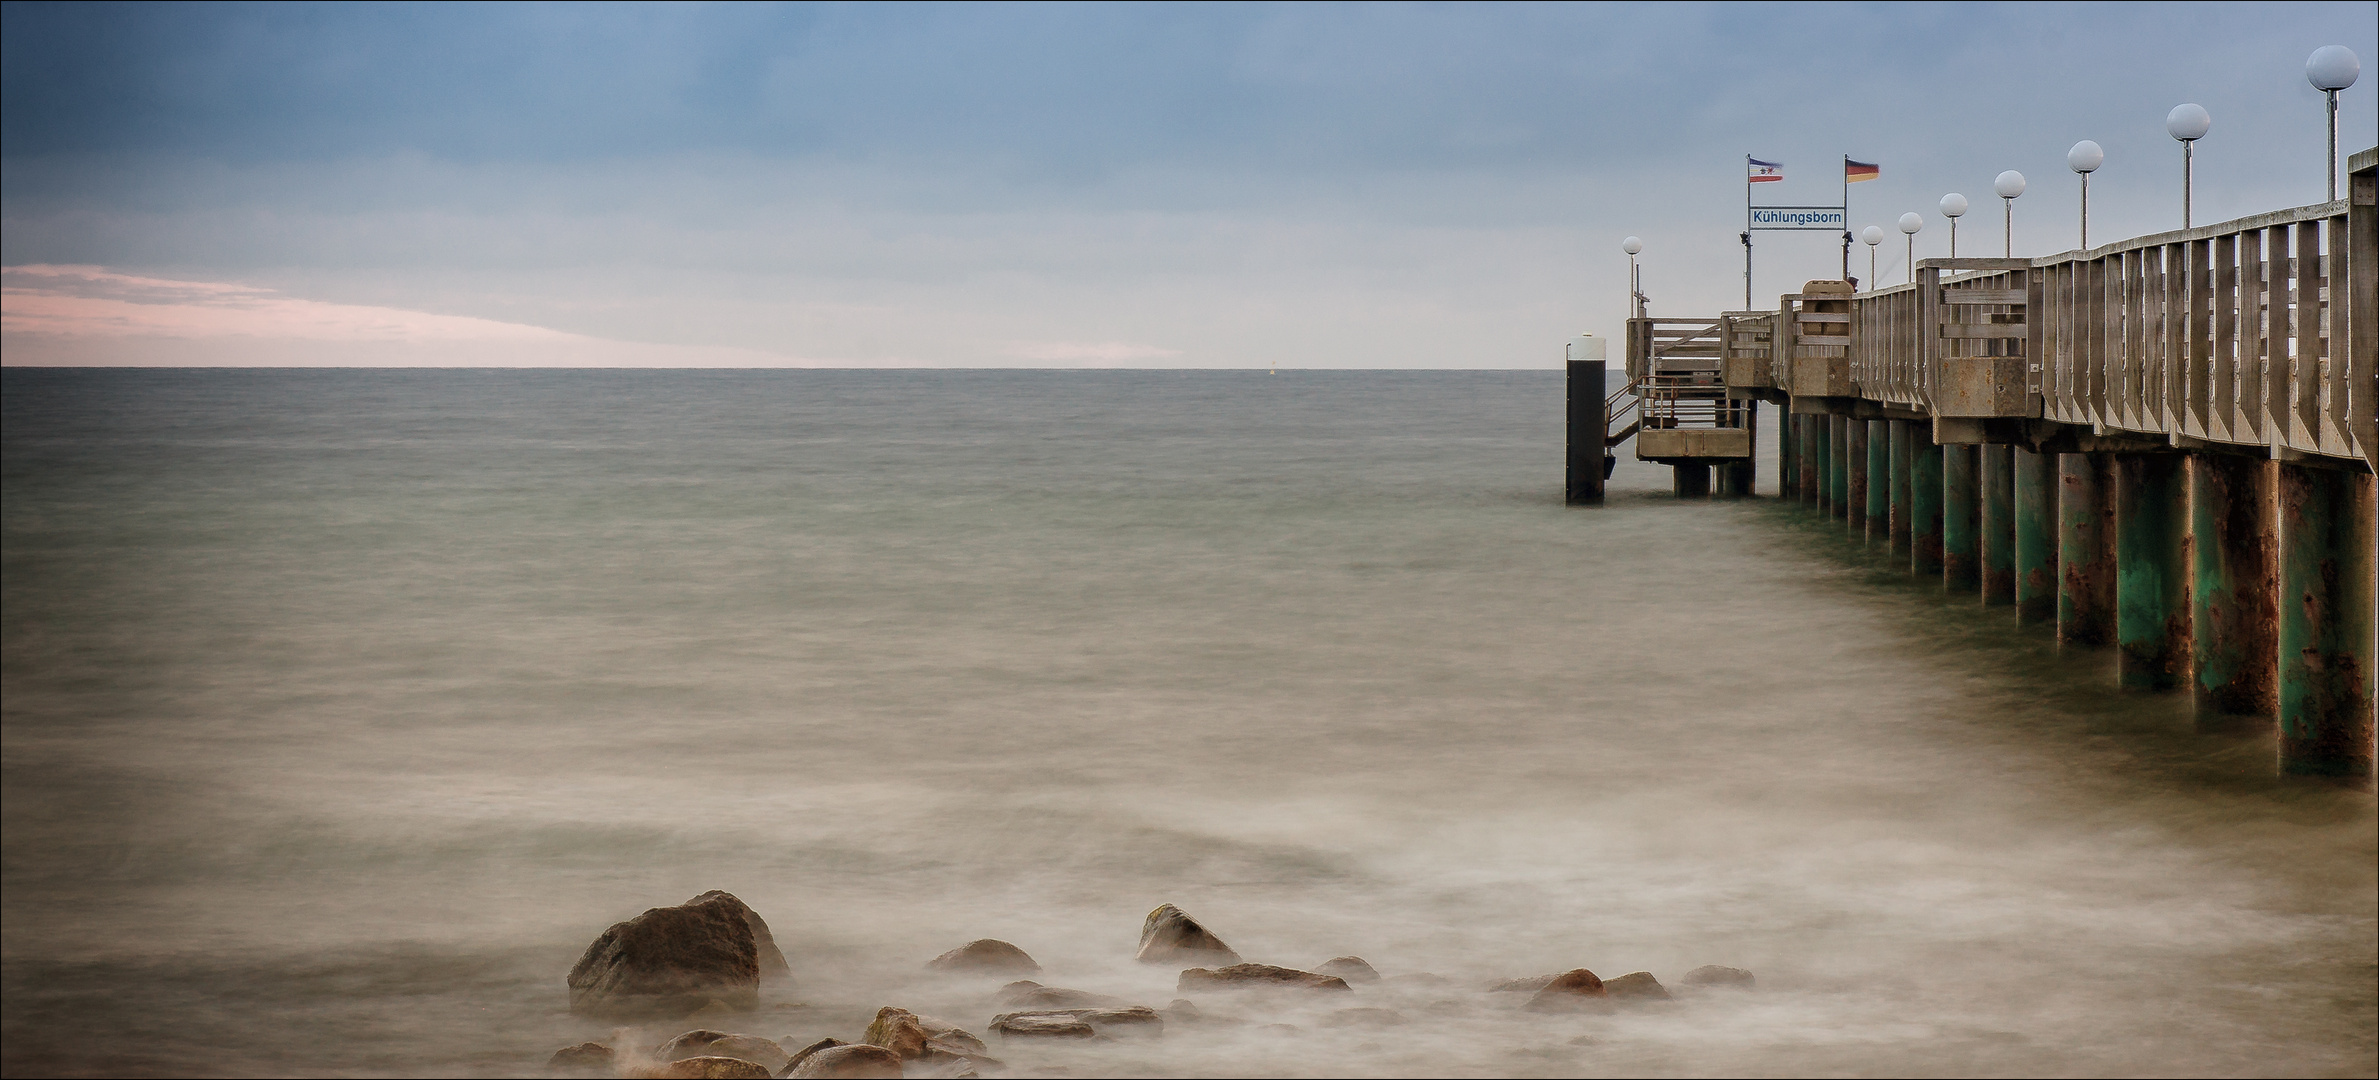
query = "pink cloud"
{"x": 88, "y": 301}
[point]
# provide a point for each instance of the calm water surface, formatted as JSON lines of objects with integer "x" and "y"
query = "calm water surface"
{"x": 343, "y": 708}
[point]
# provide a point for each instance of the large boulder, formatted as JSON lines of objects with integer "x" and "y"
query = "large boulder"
{"x": 1529, "y": 985}
{"x": 1027, "y": 994}
{"x": 1170, "y": 936}
{"x": 1246, "y": 976}
{"x": 1351, "y": 968}
{"x": 669, "y": 962}
{"x": 1636, "y": 985}
{"x": 1041, "y": 1025}
{"x": 854, "y": 1062}
{"x": 1712, "y": 975}
{"x": 922, "y": 1038}
{"x": 1569, "y": 991}
{"x": 703, "y": 1042}
{"x": 804, "y": 1053}
{"x": 584, "y": 1059}
{"x": 989, "y": 956}
{"x": 772, "y": 959}
{"x": 704, "y": 1068}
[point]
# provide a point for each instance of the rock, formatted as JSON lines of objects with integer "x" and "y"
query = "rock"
{"x": 1571, "y": 990}
{"x": 899, "y": 1031}
{"x": 1636, "y": 985}
{"x": 1041, "y": 1025}
{"x": 1243, "y": 976}
{"x": 772, "y": 959}
{"x": 703, "y": 1042}
{"x": 957, "y": 1068}
{"x": 803, "y": 1054}
{"x": 669, "y": 962}
{"x": 1170, "y": 936}
{"x": 584, "y": 1059}
{"x": 1529, "y": 985}
{"x": 988, "y": 956}
{"x": 1714, "y": 975}
{"x": 1364, "y": 1017}
{"x": 1350, "y": 968}
{"x": 706, "y": 1068}
{"x": 1130, "y": 1020}
{"x": 1027, "y": 994}
{"x": 846, "y": 1062}
{"x": 1183, "y": 1010}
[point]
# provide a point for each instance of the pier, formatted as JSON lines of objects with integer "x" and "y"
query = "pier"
{"x": 2163, "y": 446}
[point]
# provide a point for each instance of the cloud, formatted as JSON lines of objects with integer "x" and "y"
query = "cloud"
{"x": 89, "y": 301}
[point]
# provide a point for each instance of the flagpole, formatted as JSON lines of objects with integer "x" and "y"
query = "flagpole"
{"x": 1746, "y": 232}
{"x": 1846, "y": 217}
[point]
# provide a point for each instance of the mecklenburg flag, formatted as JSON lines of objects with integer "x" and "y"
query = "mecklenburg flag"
{"x": 1855, "y": 171}
{"x": 1764, "y": 172}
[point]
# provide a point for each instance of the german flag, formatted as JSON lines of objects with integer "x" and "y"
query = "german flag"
{"x": 1855, "y": 171}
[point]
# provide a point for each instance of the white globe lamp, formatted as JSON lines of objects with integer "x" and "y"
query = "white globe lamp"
{"x": 2008, "y": 185}
{"x": 2330, "y": 69}
{"x": 2085, "y": 158}
{"x": 2188, "y": 123}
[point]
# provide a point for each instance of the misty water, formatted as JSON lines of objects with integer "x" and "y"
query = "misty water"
{"x": 343, "y": 709}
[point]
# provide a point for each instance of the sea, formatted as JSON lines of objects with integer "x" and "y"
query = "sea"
{"x": 341, "y": 709}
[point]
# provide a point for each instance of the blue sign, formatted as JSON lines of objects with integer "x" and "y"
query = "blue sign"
{"x": 1790, "y": 218}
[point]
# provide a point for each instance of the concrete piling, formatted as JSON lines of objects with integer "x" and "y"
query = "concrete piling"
{"x": 2036, "y": 536}
{"x": 1588, "y": 428}
{"x": 1998, "y": 523}
{"x": 2234, "y": 614}
{"x": 1879, "y": 482}
{"x": 1690, "y": 481}
{"x": 2325, "y": 598}
{"x": 1924, "y": 504}
{"x": 1855, "y": 459}
{"x": 1810, "y": 460}
{"x": 1838, "y": 465}
{"x": 2152, "y": 569}
{"x": 1961, "y": 540}
{"x": 1903, "y": 462}
{"x": 2085, "y": 549}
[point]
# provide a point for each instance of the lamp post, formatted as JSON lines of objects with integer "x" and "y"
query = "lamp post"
{"x": 1910, "y": 223}
{"x": 2330, "y": 69}
{"x": 1953, "y": 207}
{"x": 2008, "y": 185}
{"x": 2085, "y": 158}
{"x": 1873, "y": 235}
{"x": 1634, "y": 246}
{"x": 2188, "y": 123}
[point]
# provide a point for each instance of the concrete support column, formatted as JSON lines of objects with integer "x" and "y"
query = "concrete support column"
{"x": 1838, "y": 465}
{"x": 1924, "y": 504}
{"x": 1879, "y": 482}
{"x": 1588, "y": 427}
{"x": 2152, "y": 568}
{"x": 1821, "y": 444}
{"x": 2086, "y": 549}
{"x": 1998, "y": 518}
{"x": 1691, "y": 481}
{"x": 2234, "y": 613}
{"x": 1903, "y": 462}
{"x": 1854, "y": 457}
{"x": 2036, "y": 537}
{"x": 2326, "y": 533}
{"x": 1961, "y": 519}
{"x": 1810, "y": 459}
{"x": 1740, "y": 479}
{"x": 1788, "y": 456}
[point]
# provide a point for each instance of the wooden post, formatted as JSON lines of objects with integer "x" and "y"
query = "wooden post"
{"x": 1961, "y": 540}
{"x": 2326, "y": 533}
{"x": 2152, "y": 567}
{"x": 2085, "y": 549}
{"x": 1903, "y": 462}
{"x": 2036, "y": 537}
{"x": 1854, "y": 465}
{"x": 1998, "y": 518}
{"x": 1879, "y": 482}
{"x": 1588, "y": 428}
{"x": 2234, "y": 614}
{"x": 1924, "y": 504}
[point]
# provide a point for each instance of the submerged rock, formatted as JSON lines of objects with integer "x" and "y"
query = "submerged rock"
{"x": 847, "y": 1062}
{"x": 1130, "y": 1020}
{"x": 1351, "y": 968}
{"x": 670, "y": 961}
{"x": 1243, "y": 976}
{"x": 772, "y": 959}
{"x": 1529, "y": 985}
{"x": 1041, "y": 1025}
{"x": 1714, "y": 975}
{"x": 1575, "y": 989}
{"x": 899, "y": 1031}
{"x": 706, "y": 1068}
{"x": 988, "y": 956}
{"x": 1636, "y": 985}
{"x": 703, "y": 1042}
{"x": 1027, "y": 994}
{"x": 1170, "y": 936}
{"x": 804, "y": 1053}
{"x": 584, "y": 1059}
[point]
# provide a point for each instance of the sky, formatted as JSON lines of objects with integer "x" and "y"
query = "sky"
{"x": 1340, "y": 186}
